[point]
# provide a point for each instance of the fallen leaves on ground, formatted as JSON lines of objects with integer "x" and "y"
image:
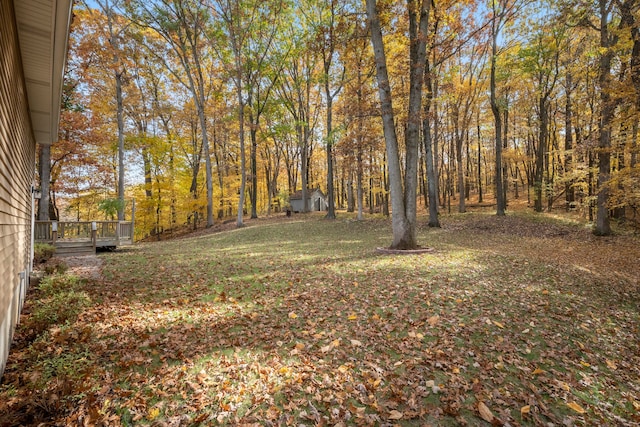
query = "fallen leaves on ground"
{"x": 485, "y": 412}
{"x": 576, "y": 407}
{"x": 508, "y": 321}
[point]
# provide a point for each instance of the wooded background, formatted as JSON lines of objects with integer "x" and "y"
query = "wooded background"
{"x": 205, "y": 110}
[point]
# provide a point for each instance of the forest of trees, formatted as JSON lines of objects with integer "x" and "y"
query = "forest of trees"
{"x": 204, "y": 110}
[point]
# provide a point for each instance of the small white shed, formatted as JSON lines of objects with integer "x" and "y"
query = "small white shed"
{"x": 317, "y": 201}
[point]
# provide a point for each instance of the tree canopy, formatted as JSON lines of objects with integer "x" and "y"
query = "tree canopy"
{"x": 497, "y": 100}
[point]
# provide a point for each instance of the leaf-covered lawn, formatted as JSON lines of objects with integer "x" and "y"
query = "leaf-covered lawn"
{"x": 521, "y": 320}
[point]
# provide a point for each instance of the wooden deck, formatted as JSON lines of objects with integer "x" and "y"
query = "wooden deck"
{"x": 93, "y": 234}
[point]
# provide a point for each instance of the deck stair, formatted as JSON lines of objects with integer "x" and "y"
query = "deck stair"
{"x": 67, "y": 248}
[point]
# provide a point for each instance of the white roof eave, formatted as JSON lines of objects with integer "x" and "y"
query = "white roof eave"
{"x": 43, "y": 32}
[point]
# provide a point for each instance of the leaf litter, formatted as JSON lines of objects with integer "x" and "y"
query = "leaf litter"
{"x": 507, "y": 322}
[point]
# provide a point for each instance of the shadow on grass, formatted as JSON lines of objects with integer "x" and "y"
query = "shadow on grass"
{"x": 305, "y": 322}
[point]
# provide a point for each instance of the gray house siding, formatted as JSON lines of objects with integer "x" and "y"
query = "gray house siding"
{"x": 17, "y": 160}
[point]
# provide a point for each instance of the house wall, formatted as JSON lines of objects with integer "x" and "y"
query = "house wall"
{"x": 17, "y": 160}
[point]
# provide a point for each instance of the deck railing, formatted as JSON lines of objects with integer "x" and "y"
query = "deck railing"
{"x": 117, "y": 232}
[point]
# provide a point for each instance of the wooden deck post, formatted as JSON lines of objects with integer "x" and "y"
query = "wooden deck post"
{"x": 94, "y": 235}
{"x": 133, "y": 219}
{"x": 54, "y": 232}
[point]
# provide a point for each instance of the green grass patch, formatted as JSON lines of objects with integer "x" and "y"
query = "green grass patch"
{"x": 262, "y": 325}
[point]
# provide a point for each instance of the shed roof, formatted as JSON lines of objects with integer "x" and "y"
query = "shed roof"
{"x": 43, "y": 32}
{"x": 298, "y": 194}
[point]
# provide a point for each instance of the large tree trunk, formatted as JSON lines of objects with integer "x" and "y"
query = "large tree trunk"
{"x": 458, "y": 153}
{"x": 541, "y": 153}
{"x": 243, "y": 160}
{"x": 385, "y": 182}
{"x": 432, "y": 176}
{"x": 45, "y": 179}
{"x": 349, "y": 190}
{"x": 461, "y": 184}
{"x": 602, "y": 226}
{"x": 497, "y": 116}
{"x": 505, "y": 146}
{"x": 118, "y": 72}
{"x": 146, "y": 165}
{"x": 403, "y": 201}
{"x": 331, "y": 214}
{"x": 267, "y": 174}
{"x": 304, "y": 169}
{"x": 199, "y": 95}
{"x": 359, "y": 177}
{"x": 120, "y": 119}
{"x": 630, "y": 19}
{"x": 479, "y": 165}
{"x": 634, "y": 144}
{"x": 254, "y": 171}
{"x": 327, "y": 59}
{"x": 207, "y": 163}
{"x": 418, "y": 29}
{"x": 568, "y": 144}
{"x": 403, "y": 233}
